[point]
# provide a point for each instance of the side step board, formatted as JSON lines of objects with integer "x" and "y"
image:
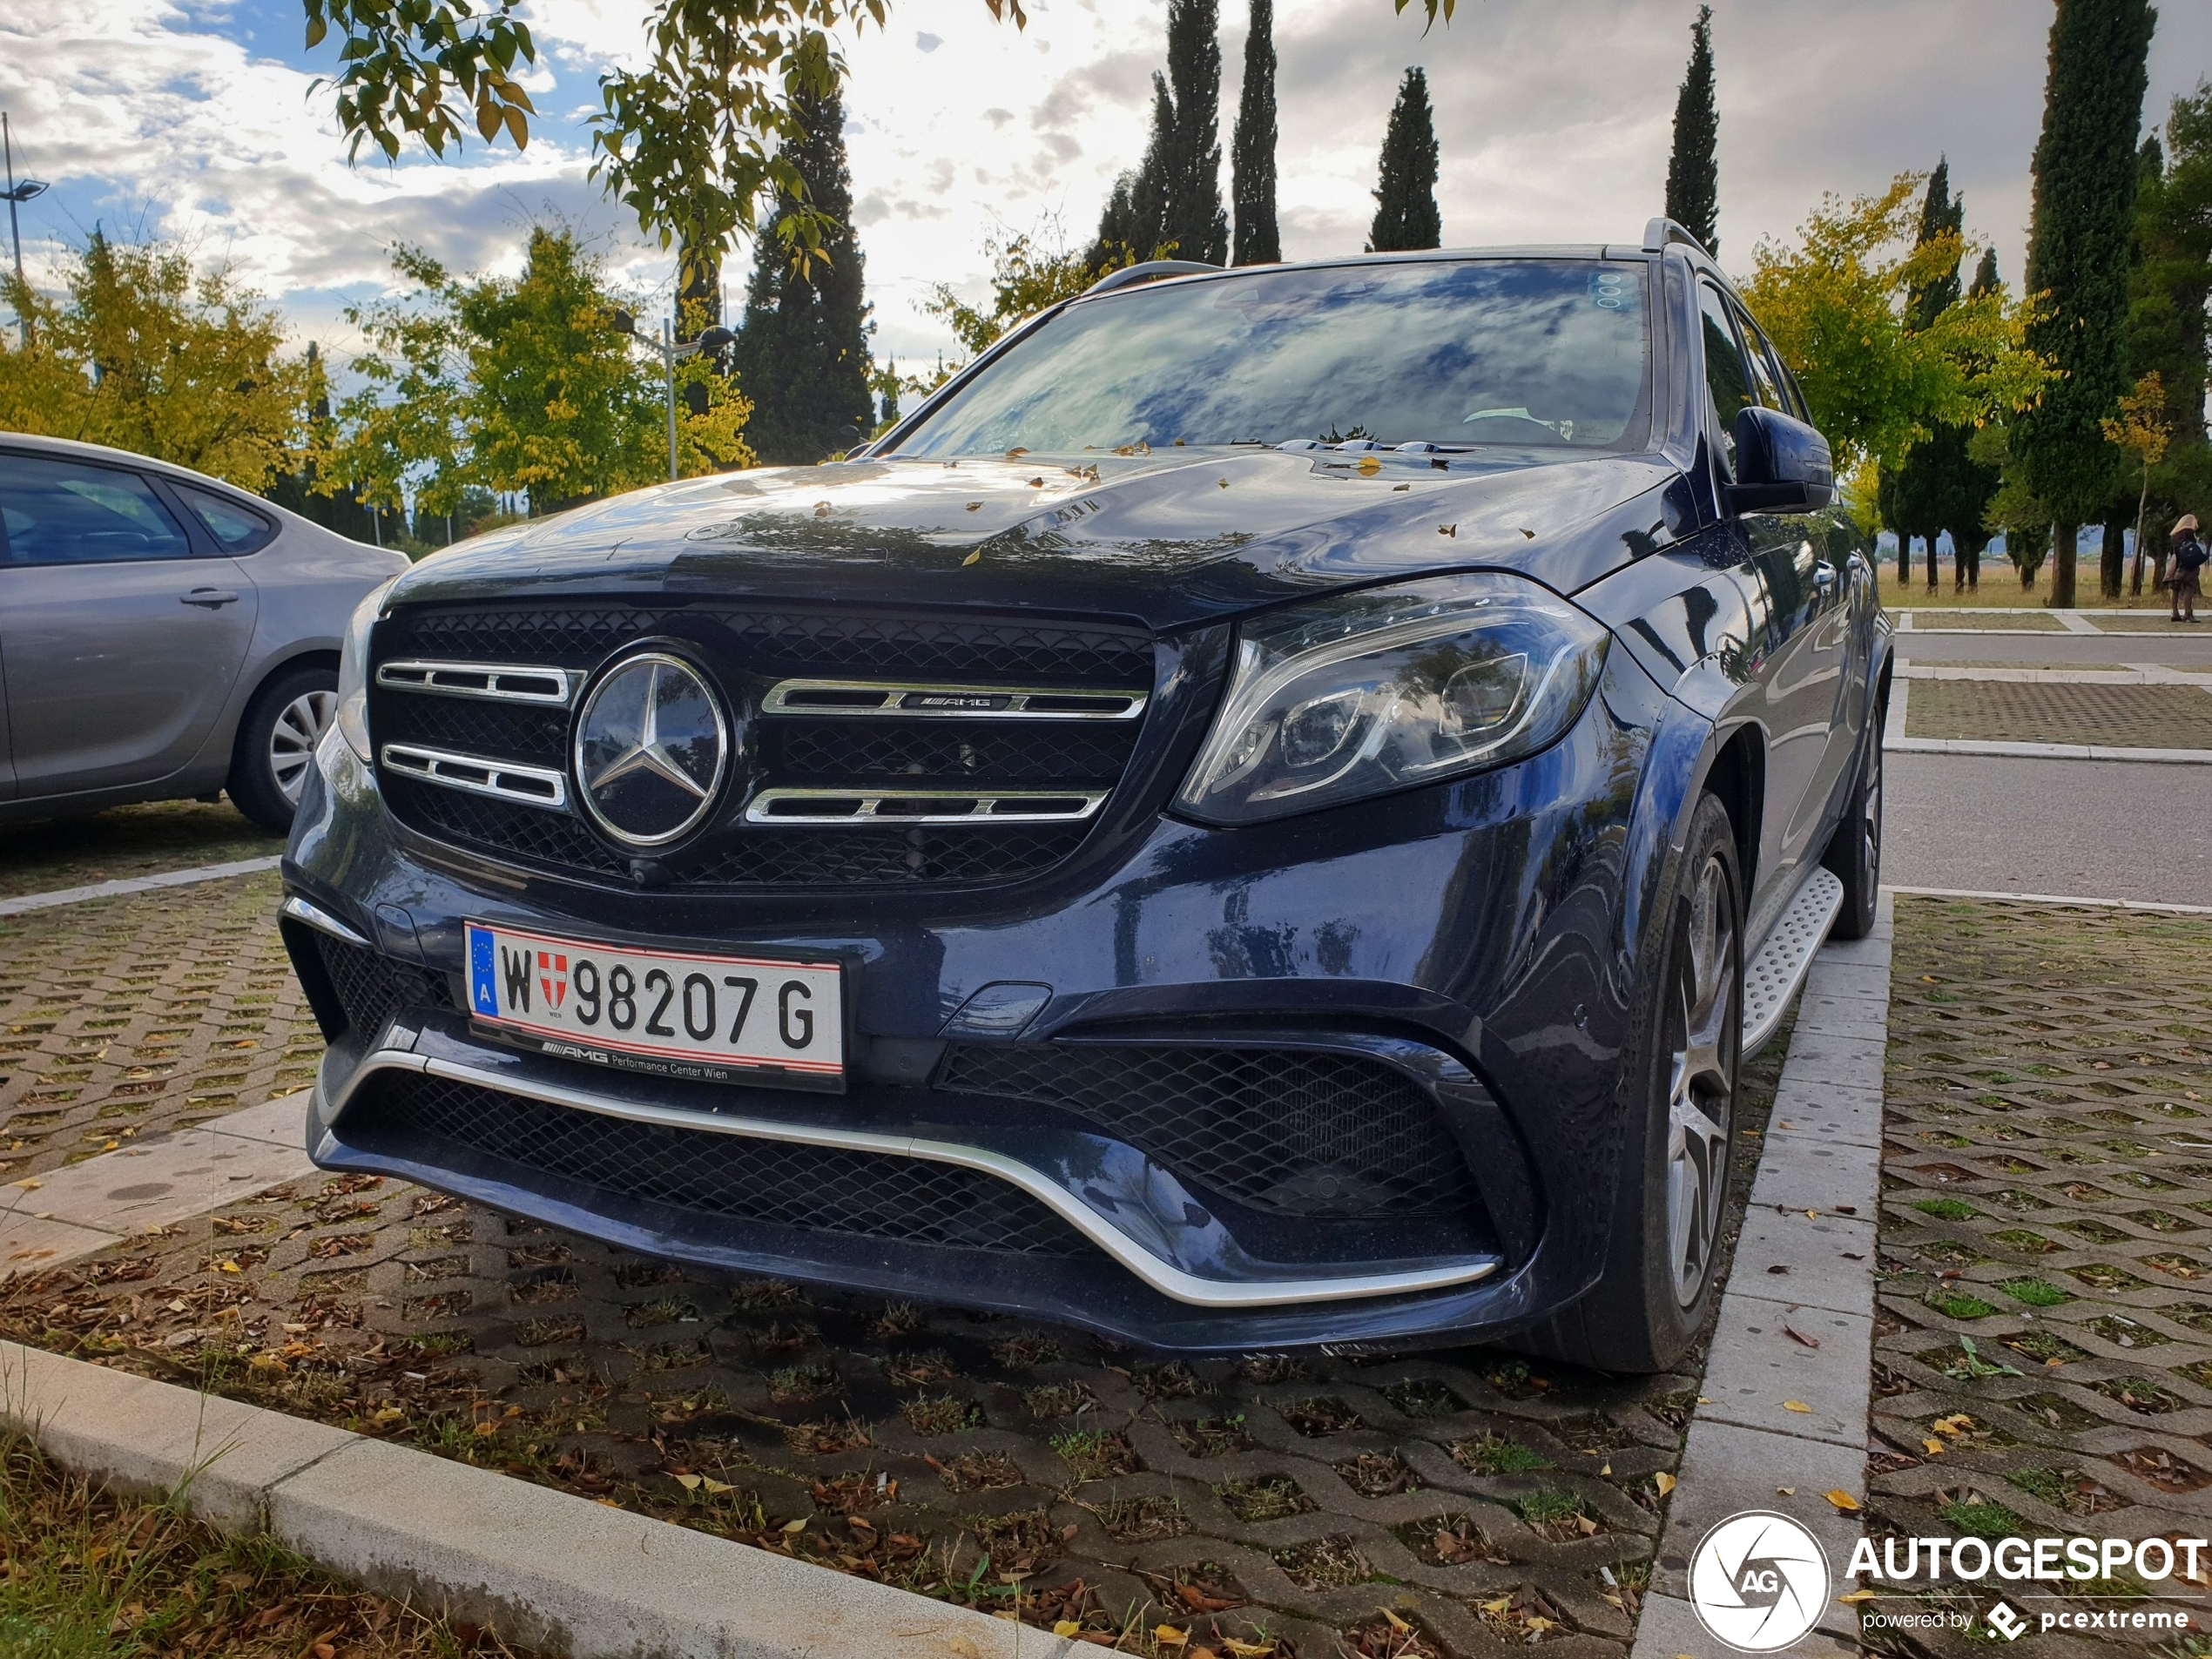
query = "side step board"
{"x": 1771, "y": 978}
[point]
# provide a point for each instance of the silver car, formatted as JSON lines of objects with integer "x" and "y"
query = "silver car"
{"x": 162, "y": 635}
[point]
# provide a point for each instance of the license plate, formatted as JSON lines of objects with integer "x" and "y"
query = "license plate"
{"x": 737, "y": 1019}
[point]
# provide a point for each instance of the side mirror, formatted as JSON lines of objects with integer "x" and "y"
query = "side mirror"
{"x": 717, "y": 340}
{"x": 1782, "y": 465}
{"x": 623, "y": 322}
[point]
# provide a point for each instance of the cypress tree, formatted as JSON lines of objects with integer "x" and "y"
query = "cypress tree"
{"x": 1252, "y": 151}
{"x": 1170, "y": 204}
{"x": 1694, "y": 168}
{"x": 1134, "y": 226}
{"x": 1924, "y": 480}
{"x": 1193, "y": 215}
{"x": 1971, "y": 485}
{"x": 1406, "y": 215}
{"x": 2079, "y": 240}
{"x": 802, "y": 353}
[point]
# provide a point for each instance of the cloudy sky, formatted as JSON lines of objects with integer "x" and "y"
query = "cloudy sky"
{"x": 197, "y": 118}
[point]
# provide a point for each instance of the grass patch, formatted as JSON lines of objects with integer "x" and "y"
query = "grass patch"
{"x": 1958, "y": 1305}
{"x": 1095, "y": 1456}
{"x": 2036, "y": 1292}
{"x": 943, "y": 1415}
{"x": 1495, "y": 1454}
{"x": 1980, "y": 1518}
{"x": 91, "y": 1576}
{"x": 1948, "y": 1209}
{"x": 1265, "y": 1497}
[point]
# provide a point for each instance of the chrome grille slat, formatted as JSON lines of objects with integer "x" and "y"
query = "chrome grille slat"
{"x": 494, "y": 682}
{"x": 836, "y": 699}
{"x": 979, "y": 805}
{"x": 500, "y": 779}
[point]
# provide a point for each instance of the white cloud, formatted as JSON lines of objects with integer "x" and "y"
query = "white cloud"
{"x": 1553, "y": 116}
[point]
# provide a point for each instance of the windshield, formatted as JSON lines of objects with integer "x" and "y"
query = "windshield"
{"x": 1522, "y": 353}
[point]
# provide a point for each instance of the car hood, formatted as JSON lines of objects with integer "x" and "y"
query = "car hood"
{"x": 1169, "y": 539}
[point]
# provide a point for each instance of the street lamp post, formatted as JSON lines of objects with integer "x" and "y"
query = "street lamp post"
{"x": 714, "y": 341}
{"x": 17, "y": 192}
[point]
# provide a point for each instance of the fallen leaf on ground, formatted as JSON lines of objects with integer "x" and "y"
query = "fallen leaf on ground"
{"x": 1792, "y": 1331}
{"x": 1843, "y": 1501}
{"x": 1934, "y": 1447}
{"x": 1665, "y": 1482}
{"x": 1855, "y": 1597}
{"x": 1786, "y": 1492}
{"x": 1797, "y": 1405}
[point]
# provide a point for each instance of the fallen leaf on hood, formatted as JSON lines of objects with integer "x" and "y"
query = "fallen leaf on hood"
{"x": 1016, "y": 455}
{"x": 975, "y": 507}
{"x": 1451, "y": 531}
{"x": 1398, "y": 490}
{"x": 973, "y": 557}
{"x": 1369, "y": 466}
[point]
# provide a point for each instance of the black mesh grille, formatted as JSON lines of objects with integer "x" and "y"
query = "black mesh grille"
{"x": 499, "y": 731}
{"x": 373, "y": 987}
{"x": 749, "y": 649}
{"x": 953, "y": 752}
{"x": 821, "y": 1188}
{"x": 1315, "y": 1134}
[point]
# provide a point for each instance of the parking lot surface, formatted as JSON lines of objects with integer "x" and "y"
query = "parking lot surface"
{"x": 1271, "y": 1505}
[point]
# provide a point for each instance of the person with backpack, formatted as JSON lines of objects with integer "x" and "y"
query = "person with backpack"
{"x": 2188, "y": 564}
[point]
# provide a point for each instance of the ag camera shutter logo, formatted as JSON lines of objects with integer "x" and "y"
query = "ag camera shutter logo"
{"x": 1758, "y": 1581}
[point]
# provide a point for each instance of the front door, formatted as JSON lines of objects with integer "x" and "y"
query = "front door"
{"x": 118, "y": 642}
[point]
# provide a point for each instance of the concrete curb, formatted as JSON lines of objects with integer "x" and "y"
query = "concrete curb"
{"x": 2060, "y": 899}
{"x": 1790, "y": 1373}
{"x": 2041, "y": 751}
{"x": 31, "y": 901}
{"x": 2119, "y": 674}
{"x": 544, "y": 1568}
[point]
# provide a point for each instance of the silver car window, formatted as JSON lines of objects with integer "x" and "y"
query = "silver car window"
{"x": 237, "y": 528}
{"x": 64, "y": 512}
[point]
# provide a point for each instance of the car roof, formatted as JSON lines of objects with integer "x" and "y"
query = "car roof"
{"x": 104, "y": 453}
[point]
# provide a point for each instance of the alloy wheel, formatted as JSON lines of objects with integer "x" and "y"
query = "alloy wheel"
{"x": 1703, "y": 1035}
{"x": 300, "y": 725}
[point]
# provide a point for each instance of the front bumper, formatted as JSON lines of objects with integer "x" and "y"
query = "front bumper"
{"x": 1469, "y": 941}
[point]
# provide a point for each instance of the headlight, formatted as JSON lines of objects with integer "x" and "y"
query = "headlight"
{"x": 1390, "y": 688}
{"x": 353, "y": 672}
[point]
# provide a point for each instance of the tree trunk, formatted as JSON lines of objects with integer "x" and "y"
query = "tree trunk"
{"x": 1932, "y": 559}
{"x": 2062, "y": 551}
{"x": 2112, "y": 562}
{"x": 1904, "y": 560}
{"x": 1969, "y": 555}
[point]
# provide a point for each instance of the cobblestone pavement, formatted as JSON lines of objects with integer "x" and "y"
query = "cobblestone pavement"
{"x": 123, "y": 1017}
{"x": 2136, "y": 717}
{"x": 124, "y": 842}
{"x": 2044, "y": 1341}
{"x": 1457, "y": 1503}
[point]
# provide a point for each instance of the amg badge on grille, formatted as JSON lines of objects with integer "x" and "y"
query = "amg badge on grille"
{"x": 651, "y": 746}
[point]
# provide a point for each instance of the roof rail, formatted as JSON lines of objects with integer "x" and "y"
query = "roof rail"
{"x": 1661, "y": 231}
{"x": 1149, "y": 271}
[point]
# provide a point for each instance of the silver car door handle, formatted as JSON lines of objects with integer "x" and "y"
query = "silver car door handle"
{"x": 1823, "y": 576}
{"x": 209, "y": 598}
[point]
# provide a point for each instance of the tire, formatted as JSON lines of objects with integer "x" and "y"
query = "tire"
{"x": 1855, "y": 852}
{"x": 1671, "y": 1194}
{"x": 276, "y": 745}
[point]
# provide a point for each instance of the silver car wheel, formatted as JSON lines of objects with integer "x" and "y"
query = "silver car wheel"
{"x": 300, "y": 725}
{"x": 1704, "y": 1033}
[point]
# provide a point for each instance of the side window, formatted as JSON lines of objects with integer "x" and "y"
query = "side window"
{"x": 1724, "y": 376}
{"x": 1760, "y": 355}
{"x": 64, "y": 512}
{"x": 236, "y": 528}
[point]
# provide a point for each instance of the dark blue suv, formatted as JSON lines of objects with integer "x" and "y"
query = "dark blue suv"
{"x": 1268, "y": 811}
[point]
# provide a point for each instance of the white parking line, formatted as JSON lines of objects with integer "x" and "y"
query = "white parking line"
{"x": 48, "y": 1220}
{"x": 31, "y": 901}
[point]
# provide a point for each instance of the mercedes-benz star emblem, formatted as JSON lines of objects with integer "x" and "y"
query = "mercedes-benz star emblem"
{"x": 651, "y": 749}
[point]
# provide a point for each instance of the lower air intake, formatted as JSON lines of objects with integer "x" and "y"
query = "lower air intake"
{"x": 734, "y": 1176}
